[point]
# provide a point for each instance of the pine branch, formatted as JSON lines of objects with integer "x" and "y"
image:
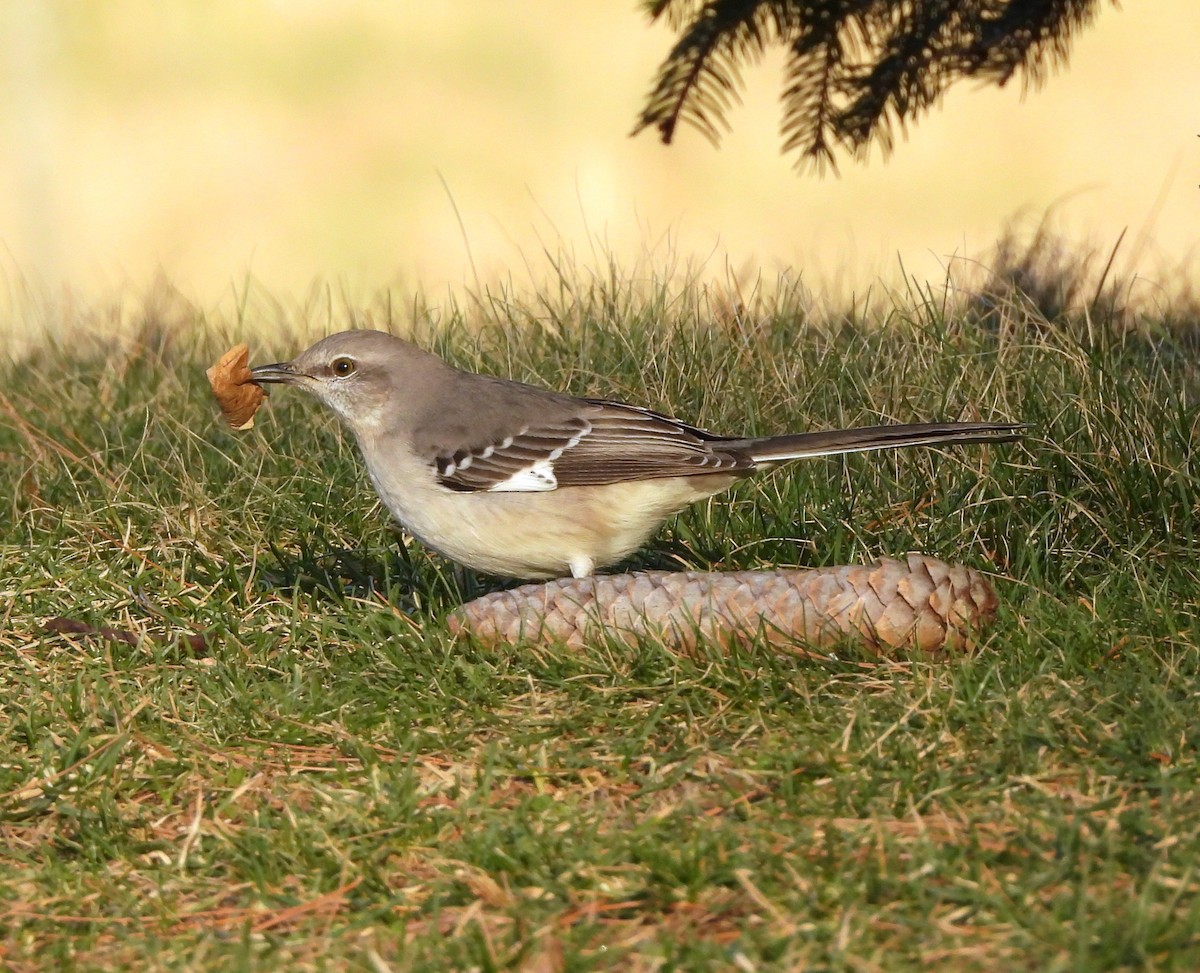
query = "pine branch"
{"x": 857, "y": 70}
{"x": 700, "y": 79}
{"x": 816, "y": 63}
{"x": 1029, "y": 35}
{"x": 906, "y": 79}
{"x": 677, "y": 12}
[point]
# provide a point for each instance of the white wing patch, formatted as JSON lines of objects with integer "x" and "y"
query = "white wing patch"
{"x": 538, "y": 477}
{"x": 450, "y": 468}
{"x": 570, "y": 443}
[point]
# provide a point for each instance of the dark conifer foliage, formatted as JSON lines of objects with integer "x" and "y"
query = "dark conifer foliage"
{"x": 857, "y": 70}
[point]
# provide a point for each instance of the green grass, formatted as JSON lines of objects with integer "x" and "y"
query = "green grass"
{"x": 333, "y": 783}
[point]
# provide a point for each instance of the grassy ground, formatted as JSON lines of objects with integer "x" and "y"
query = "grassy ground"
{"x": 332, "y": 783}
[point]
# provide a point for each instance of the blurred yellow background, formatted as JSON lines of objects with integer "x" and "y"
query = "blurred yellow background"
{"x": 342, "y": 141}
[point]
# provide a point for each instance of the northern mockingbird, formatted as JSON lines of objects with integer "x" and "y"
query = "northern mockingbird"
{"x": 515, "y": 480}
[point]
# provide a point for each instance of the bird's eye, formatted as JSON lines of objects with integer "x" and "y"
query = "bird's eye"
{"x": 341, "y": 367}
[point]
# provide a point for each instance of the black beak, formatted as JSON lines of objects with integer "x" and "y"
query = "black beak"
{"x": 281, "y": 372}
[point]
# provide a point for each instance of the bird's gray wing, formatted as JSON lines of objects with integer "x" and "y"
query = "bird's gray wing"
{"x": 599, "y": 442}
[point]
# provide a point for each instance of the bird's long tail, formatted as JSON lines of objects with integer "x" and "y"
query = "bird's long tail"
{"x": 777, "y": 449}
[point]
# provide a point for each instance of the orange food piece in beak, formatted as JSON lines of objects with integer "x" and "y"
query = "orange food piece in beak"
{"x": 233, "y": 385}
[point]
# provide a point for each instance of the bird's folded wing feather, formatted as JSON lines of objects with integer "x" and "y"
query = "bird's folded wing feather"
{"x": 605, "y": 442}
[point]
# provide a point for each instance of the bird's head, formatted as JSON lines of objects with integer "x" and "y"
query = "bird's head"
{"x": 354, "y": 373}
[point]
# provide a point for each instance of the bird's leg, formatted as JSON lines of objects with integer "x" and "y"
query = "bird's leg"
{"x": 582, "y": 566}
{"x": 466, "y": 579}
